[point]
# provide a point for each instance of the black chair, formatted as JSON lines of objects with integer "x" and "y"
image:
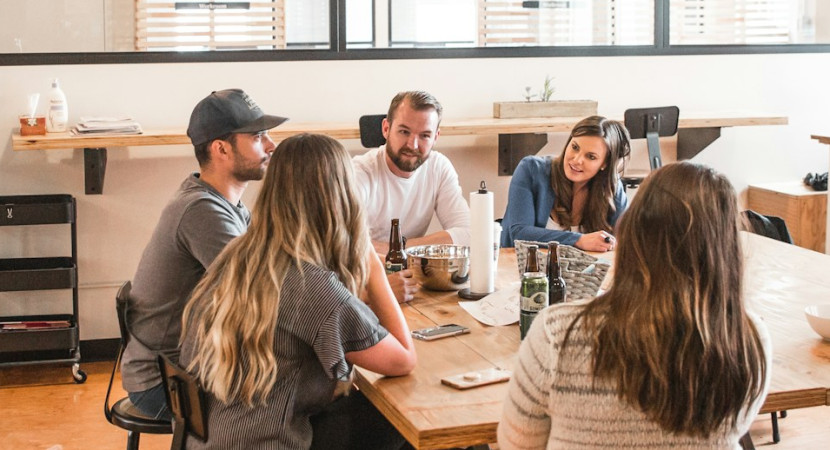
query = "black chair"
{"x": 123, "y": 413}
{"x": 371, "y": 130}
{"x": 651, "y": 124}
{"x": 187, "y": 403}
{"x": 769, "y": 226}
{"x": 774, "y": 228}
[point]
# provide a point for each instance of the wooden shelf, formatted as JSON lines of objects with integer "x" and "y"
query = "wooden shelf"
{"x": 517, "y": 137}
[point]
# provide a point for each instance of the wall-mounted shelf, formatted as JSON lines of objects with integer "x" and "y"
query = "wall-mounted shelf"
{"x": 517, "y": 137}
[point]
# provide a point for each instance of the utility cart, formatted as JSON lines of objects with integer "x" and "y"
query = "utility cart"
{"x": 40, "y": 338}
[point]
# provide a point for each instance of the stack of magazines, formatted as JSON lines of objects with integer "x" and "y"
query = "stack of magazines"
{"x": 106, "y": 125}
{"x": 34, "y": 325}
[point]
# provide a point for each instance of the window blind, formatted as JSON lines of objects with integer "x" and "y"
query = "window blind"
{"x": 712, "y": 22}
{"x": 209, "y": 25}
{"x": 566, "y": 22}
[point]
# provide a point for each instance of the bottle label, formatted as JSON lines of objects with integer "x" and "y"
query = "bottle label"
{"x": 56, "y": 119}
{"x": 392, "y": 267}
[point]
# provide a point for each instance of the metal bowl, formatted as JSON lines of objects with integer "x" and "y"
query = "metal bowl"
{"x": 440, "y": 267}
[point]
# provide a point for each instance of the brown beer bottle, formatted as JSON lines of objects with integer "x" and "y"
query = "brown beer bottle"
{"x": 556, "y": 284}
{"x": 396, "y": 258}
{"x": 532, "y": 263}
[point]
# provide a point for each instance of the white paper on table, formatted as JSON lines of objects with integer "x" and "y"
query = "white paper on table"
{"x": 499, "y": 308}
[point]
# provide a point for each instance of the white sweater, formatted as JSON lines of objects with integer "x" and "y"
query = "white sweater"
{"x": 432, "y": 189}
{"x": 551, "y": 403}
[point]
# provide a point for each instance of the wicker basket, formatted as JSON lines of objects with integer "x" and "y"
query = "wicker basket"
{"x": 583, "y": 273}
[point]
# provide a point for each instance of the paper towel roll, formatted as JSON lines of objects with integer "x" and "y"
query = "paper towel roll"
{"x": 481, "y": 241}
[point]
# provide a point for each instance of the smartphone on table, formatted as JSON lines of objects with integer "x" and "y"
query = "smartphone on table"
{"x": 441, "y": 331}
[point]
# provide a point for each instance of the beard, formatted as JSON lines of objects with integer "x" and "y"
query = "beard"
{"x": 406, "y": 165}
{"x": 244, "y": 170}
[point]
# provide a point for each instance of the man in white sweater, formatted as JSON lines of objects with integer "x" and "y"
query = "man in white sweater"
{"x": 407, "y": 180}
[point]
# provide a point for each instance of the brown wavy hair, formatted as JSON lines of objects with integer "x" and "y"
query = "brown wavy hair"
{"x": 602, "y": 187}
{"x": 307, "y": 211}
{"x": 672, "y": 331}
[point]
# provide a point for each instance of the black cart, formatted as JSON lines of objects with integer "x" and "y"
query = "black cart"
{"x": 39, "y": 339}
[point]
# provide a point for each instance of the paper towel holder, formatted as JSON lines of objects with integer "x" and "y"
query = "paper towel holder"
{"x": 466, "y": 293}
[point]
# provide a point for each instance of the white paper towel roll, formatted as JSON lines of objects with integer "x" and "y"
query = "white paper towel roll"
{"x": 481, "y": 241}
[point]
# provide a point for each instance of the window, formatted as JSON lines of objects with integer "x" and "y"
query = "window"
{"x": 506, "y": 23}
{"x": 747, "y": 22}
{"x": 307, "y": 23}
{"x": 118, "y": 31}
{"x": 194, "y": 25}
{"x": 567, "y": 23}
{"x": 420, "y": 23}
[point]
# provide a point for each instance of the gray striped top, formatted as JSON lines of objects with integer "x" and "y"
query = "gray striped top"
{"x": 318, "y": 322}
{"x": 551, "y": 402}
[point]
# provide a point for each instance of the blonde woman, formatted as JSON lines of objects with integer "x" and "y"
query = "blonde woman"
{"x": 276, "y": 324}
{"x": 668, "y": 357}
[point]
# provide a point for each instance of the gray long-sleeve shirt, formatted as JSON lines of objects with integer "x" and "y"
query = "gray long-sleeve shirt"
{"x": 193, "y": 229}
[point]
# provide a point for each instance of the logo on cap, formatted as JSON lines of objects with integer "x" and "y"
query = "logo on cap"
{"x": 251, "y": 103}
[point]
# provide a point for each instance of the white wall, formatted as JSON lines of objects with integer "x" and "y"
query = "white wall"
{"x": 114, "y": 227}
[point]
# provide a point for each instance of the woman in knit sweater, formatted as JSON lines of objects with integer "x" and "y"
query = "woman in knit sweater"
{"x": 668, "y": 357}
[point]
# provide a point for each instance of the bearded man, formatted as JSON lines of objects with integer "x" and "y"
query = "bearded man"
{"x": 229, "y": 135}
{"x": 410, "y": 181}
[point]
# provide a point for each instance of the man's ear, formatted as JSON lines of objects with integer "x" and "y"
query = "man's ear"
{"x": 219, "y": 149}
{"x": 384, "y": 128}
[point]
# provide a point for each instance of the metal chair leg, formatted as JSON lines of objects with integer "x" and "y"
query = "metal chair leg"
{"x": 776, "y": 437}
{"x": 132, "y": 440}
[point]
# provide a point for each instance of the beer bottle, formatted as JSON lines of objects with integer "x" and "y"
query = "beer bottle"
{"x": 556, "y": 284}
{"x": 396, "y": 258}
{"x": 532, "y": 263}
{"x": 534, "y": 298}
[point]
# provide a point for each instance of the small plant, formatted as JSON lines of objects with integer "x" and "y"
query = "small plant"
{"x": 547, "y": 89}
{"x": 528, "y": 96}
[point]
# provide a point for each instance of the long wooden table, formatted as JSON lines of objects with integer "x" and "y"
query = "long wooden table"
{"x": 781, "y": 281}
{"x": 517, "y": 137}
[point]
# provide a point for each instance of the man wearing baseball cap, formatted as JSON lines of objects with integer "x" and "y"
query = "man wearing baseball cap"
{"x": 229, "y": 135}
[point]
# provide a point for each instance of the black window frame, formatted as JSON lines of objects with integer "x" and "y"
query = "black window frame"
{"x": 338, "y": 50}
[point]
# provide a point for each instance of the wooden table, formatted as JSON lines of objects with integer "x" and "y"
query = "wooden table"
{"x": 781, "y": 280}
{"x": 517, "y": 137}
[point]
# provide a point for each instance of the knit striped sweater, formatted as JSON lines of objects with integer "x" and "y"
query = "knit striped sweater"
{"x": 551, "y": 402}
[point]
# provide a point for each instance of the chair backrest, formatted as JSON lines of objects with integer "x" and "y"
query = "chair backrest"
{"x": 769, "y": 226}
{"x": 371, "y": 131}
{"x": 652, "y": 123}
{"x": 186, "y": 400}
{"x": 121, "y": 301}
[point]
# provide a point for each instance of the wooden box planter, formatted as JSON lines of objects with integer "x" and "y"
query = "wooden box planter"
{"x": 556, "y": 108}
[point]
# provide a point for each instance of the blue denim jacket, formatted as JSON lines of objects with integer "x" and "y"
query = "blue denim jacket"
{"x": 530, "y": 201}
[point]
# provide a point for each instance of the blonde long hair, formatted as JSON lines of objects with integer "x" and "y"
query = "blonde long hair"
{"x": 672, "y": 331}
{"x": 307, "y": 212}
{"x": 602, "y": 187}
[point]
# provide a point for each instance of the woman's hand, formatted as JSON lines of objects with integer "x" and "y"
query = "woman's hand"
{"x": 598, "y": 241}
{"x": 404, "y": 285}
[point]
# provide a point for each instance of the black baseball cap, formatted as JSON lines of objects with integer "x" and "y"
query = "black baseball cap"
{"x": 228, "y": 111}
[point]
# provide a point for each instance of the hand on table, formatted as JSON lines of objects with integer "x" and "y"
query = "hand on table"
{"x": 598, "y": 241}
{"x": 403, "y": 285}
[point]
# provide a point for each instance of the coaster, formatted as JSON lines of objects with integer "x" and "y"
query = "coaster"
{"x": 469, "y": 295}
